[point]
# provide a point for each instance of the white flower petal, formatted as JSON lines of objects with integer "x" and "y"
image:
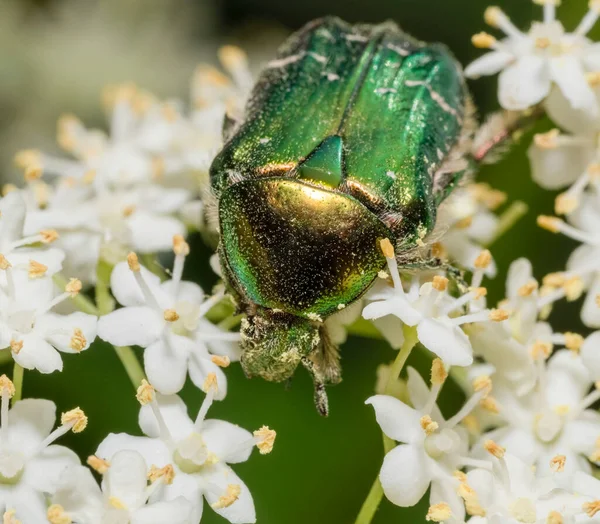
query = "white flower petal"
{"x": 404, "y": 475}
{"x": 131, "y": 326}
{"x": 153, "y": 450}
{"x": 227, "y": 441}
{"x": 562, "y": 112}
{"x": 200, "y": 366}
{"x": 489, "y": 64}
{"x": 165, "y": 366}
{"x": 174, "y": 413}
{"x": 44, "y": 469}
{"x": 419, "y": 394}
{"x": 30, "y": 421}
{"x": 398, "y": 306}
{"x": 79, "y": 494}
{"x": 590, "y": 312}
{"x": 125, "y": 288}
{"x": 58, "y": 329}
{"x": 151, "y": 233}
{"x": 524, "y": 83}
{"x": 568, "y": 74}
{"x": 126, "y": 478}
{"x": 36, "y": 353}
{"x": 397, "y": 420}
{"x": 12, "y": 210}
{"x": 590, "y": 353}
{"x": 445, "y": 340}
{"x": 176, "y": 511}
{"x": 242, "y": 510}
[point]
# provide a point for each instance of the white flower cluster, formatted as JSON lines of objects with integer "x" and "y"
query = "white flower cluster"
{"x": 525, "y": 446}
{"x": 138, "y": 190}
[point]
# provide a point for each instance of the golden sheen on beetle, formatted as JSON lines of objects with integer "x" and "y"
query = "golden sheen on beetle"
{"x": 347, "y": 139}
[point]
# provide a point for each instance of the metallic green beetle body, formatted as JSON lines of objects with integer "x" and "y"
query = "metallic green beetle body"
{"x": 345, "y": 141}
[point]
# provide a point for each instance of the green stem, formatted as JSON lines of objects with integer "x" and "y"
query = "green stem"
{"x": 508, "y": 219}
{"x": 371, "y": 503}
{"x": 17, "y": 379}
{"x": 105, "y": 303}
{"x": 132, "y": 365}
{"x": 82, "y": 302}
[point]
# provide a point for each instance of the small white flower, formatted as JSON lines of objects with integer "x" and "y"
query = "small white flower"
{"x": 431, "y": 448}
{"x": 508, "y": 492}
{"x": 530, "y": 63}
{"x": 127, "y": 484}
{"x": 28, "y": 325}
{"x": 554, "y": 419}
{"x": 168, "y": 320}
{"x": 30, "y": 464}
{"x": 199, "y": 452}
{"x": 435, "y": 313}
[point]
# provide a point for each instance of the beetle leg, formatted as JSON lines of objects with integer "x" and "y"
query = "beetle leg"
{"x": 455, "y": 274}
{"x": 321, "y": 402}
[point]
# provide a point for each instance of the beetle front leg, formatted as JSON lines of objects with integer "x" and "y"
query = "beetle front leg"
{"x": 321, "y": 401}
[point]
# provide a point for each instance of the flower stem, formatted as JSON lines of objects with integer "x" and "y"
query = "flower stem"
{"x": 371, "y": 503}
{"x": 132, "y": 365}
{"x": 17, "y": 379}
{"x": 508, "y": 219}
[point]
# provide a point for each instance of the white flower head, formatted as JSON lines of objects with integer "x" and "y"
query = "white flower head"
{"x": 531, "y": 63}
{"x": 30, "y": 464}
{"x": 198, "y": 451}
{"x": 31, "y": 329}
{"x": 437, "y": 315}
{"x": 167, "y": 319}
{"x": 431, "y": 449}
{"x": 127, "y": 484}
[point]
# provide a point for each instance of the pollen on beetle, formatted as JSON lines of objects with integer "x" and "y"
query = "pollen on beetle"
{"x": 78, "y": 340}
{"x": 386, "y": 248}
{"x": 36, "y": 269}
{"x": 527, "y": 289}
{"x": 4, "y": 263}
{"x": 494, "y": 449}
{"x": 541, "y": 350}
{"x": 133, "y": 262}
{"x": 429, "y": 426}
{"x": 170, "y": 315}
{"x": 383, "y": 275}
{"x": 221, "y": 361}
{"x": 498, "y": 315}
{"x": 437, "y": 250}
{"x": 341, "y": 306}
{"x": 483, "y": 384}
{"x": 180, "y": 246}
{"x": 483, "y": 40}
{"x": 265, "y": 439}
{"x": 438, "y": 372}
{"x": 16, "y": 346}
{"x": 75, "y": 418}
{"x": 549, "y": 223}
{"x": 438, "y": 512}
{"x": 548, "y": 140}
{"x": 573, "y": 287}
{"x": 210, "y": 383}
{"x": 48, "y": 235}
{"x": 73, "y": 287}
{"x": 483, "y": 260}
{"x": 6, "y": 386}
{"x": 145, "y": 393}
{"x": 557, "y": 463}
{"x": 490, "y": 405}
{"x": 591, "y": 508}
{"x": 565, "y": 204}
{"x": 56, "y": 515}
{"x": 98, "y": 464}
{"x": 230, "y": 496}
{"x": 166, "y": 474}
{"x": 440, "y": 283}
{"x": 573, "y": 341}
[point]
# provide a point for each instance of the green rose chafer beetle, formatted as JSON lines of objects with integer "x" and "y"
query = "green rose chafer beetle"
{"x": 352, "y": 135}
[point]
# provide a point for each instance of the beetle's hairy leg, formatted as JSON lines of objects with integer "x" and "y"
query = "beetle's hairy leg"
{"x": 326, "y": 358}
{"x": 498, "y": 131}
{"x": 454, "y": 274}
{"x": 321, "y": 401}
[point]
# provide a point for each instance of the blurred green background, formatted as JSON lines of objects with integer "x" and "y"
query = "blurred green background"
{"x": 54, "y": 58}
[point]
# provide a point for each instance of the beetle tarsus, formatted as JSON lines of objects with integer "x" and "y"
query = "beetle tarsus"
{"x": 321, "y": 401}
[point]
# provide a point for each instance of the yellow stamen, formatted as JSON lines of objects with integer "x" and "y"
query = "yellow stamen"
{"x": 549, "y": 223}
{"x": 128, "y": 211}
{"x": 547, "y": 140}
{"x": 180, "y": 246}
{"x": 479, "y": 292}
{"x": 145, "y": 393}
{"x": 527, "y": 289}
{"x": 494, "y": 449}
{"x": 557, "y": 463}
{"x": 438, "y": 512}
{"x": 231, "y": 495}
{"x": 554, "y": 517}
{"x": 483, "y": 260}
{"x": 565, "y": 204}
{"x": 56, "y": 515}
{"x": 438, "y": 372}
{"x": 490, "y": 404}
{"x": 76, "y": 418}
{"x": 36, "y": 269}
{"x": 221, "y": 361}
{"x": 429, "y": 426}
{"x": 554, "y": 280}
{"x": 464, "y": 223}
{"x": 483, "y": 40}
{"x": 498, "y": 315}
{"x": 16, "y": 346}
{"x": 48, "y": 235}
{"x": 78, "y": 340}
{"x": 170, "y": 315}
{"x": 484, "y": 384}
{"x": 210, "y": 383}
{"x": 133, "y": 262}
{"x": 573, "y": 341}
{"x": 73, "y": 287}
{"x": 386, "y": 248}
{"x": 266, "y": 439}
{"x": 117, "y": 503}
{"x": 492, "y": 15}
{"x": 6, "y": 386}
{"x": 591, "y": 508}
{"x": 232, "y": 57}
{"x": 4, "y": 263}
{"x": 166, "y": 474}
{"x": 541, "y": 349}
{"x": 97, "y": 464}
{"x": 440, "y": 283}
